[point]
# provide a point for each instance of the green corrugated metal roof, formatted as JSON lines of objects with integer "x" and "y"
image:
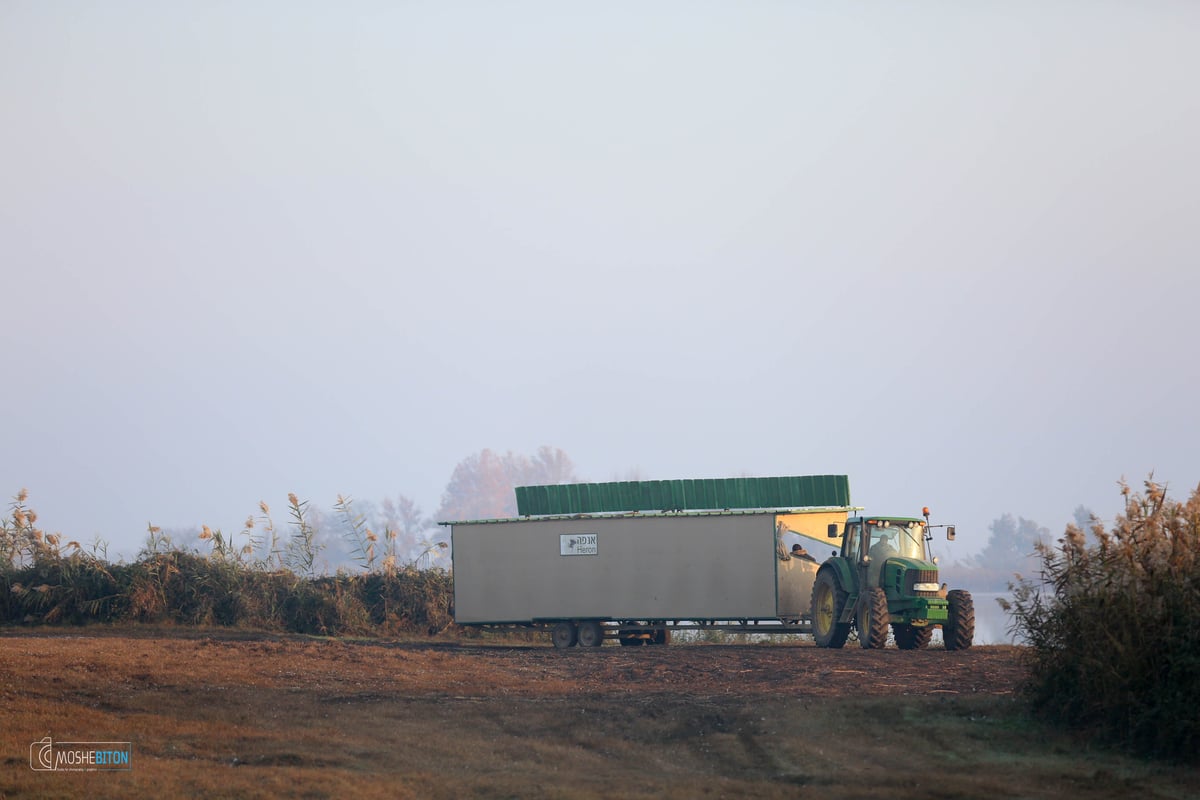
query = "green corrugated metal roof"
{"x": 803, "y": 491}
{"x": 744, "y": 512}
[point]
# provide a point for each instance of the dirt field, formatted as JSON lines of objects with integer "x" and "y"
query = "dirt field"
{"x": 215, "y": 713}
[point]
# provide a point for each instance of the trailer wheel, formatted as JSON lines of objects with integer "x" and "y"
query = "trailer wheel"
{"x": 661, "y": 636}
{"x": 873, "y": 620}
{"x": 564, "y": 635}
{"x": 958, "y": 632}
{"x": 909, "y": 637}
{"x": 591, "y": 634}
{"x": 828, "y": 600}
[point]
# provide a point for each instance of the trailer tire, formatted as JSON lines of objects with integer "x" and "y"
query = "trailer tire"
{"x": 873, "y": 620}
{"x": 564, "y": 635}
{"x": 958, "y": 632}
{"x": 661, "y": 636}
{"x": 828, "y": 601}
{"x": 909, "y": 637}
{"x": 591, "y": 634}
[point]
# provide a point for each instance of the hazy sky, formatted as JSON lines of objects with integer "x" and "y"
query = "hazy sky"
{"x": 949, "y": 249}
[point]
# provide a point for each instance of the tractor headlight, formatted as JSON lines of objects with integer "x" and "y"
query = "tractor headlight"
{"x": 926, "y": 587}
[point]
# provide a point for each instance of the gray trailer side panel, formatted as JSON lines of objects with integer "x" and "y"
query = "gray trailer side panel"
{"x": 644, "y": 567}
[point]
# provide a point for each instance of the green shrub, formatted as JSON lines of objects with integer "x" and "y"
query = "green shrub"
{"x": 1114, "y": 627}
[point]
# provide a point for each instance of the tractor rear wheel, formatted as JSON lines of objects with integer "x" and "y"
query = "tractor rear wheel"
{"x": 873, "y": 620}
{"x": 909, "y": 637}
{"x": 958, "y": 632}
{"x": 828, "y": 601}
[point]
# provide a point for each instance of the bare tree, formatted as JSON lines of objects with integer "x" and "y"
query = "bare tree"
{"x": 405, "y": 518}
{"x": 550, "y": 466}
{"x": 481, "y": 486}
{"x": 1011, "y": 550}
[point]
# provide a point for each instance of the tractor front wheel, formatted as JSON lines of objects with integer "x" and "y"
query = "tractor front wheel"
{"x": 958, "y": 632}
{"x": 828, "y": 601}
{"x": 873, "y": 620}
{"x": 909, "y": 637}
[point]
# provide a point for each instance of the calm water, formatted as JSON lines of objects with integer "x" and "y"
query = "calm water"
{"x": 991, "y": 622}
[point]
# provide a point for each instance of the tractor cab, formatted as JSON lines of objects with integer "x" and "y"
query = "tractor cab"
{"x": 885, "y": 536}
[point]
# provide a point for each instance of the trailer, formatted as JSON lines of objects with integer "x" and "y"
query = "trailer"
{"x": 634, "y": 560}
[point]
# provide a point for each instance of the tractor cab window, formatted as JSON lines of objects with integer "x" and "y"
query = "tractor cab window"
{"x": 896, "y": 539}
{"x": 911, "y": 540}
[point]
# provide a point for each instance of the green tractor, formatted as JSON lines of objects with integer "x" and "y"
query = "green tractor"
{"x": 885, "y": 575}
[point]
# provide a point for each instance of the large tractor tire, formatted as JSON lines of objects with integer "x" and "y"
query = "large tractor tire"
{"x": 958, "y": 632}
{"x": 909, "y": 637}
{"x": 874, "y": 620}
{"x": 828, "y": 600}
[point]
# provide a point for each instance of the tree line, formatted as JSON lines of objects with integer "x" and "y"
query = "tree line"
{"x": 365, "y": 534}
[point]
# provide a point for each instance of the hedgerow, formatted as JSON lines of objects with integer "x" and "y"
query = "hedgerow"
{"x": 46, "y": 581}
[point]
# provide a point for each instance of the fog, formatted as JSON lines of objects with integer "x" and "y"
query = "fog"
{"x": 949, "y": 251}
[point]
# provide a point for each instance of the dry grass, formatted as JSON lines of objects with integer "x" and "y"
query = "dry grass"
{"x": 215, "y": 714}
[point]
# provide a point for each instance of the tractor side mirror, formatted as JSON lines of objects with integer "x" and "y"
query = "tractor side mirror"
{"x": 950, "y": 533}
{"x": 833, "y": 530}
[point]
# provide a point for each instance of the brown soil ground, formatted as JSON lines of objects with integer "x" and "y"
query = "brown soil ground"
{"x": 219, "y": 713}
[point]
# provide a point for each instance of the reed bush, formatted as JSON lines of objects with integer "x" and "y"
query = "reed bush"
{"x": 71, "y": 589}
{"x": 1113, "y": 626}
{"x": 312, "y": 606}
{"x": 408, "y": 599}
{"x": 42, "y": 584}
